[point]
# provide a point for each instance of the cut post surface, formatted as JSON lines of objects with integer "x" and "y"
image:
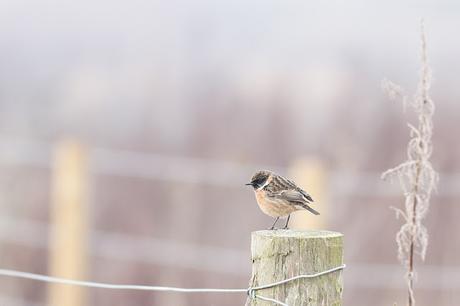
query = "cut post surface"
{"x": 281, "y": 254}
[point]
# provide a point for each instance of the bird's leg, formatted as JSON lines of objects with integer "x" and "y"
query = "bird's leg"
{"x": 287, "y": 222}
{"x": 273, "y": 226}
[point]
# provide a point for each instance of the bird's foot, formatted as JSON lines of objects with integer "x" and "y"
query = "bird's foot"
{"x": 287, "y": 222}
{"x": 273, "y": 226}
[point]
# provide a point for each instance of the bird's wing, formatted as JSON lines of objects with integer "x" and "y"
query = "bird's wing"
{"x": 305, "y": 194}
{"x": 297, "y": 197}
{"x": 293, "y": 196}
{"x": 281, "y": 184}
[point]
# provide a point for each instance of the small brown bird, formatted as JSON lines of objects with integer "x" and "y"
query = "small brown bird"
{"x": 279, "y": 197}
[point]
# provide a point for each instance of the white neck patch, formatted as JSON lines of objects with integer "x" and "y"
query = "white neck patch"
{"x": 265, "y": 184}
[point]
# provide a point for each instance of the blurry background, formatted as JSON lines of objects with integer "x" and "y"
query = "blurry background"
{"x": 127, "y": 131}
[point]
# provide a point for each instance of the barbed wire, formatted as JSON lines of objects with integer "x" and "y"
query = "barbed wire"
{"x": 251, "y": 291}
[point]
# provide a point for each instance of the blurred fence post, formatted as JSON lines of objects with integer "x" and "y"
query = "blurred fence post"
{"x": 68, "y": 235}
{"x": 281, "y": 254}
{"x": 311, "y": 175}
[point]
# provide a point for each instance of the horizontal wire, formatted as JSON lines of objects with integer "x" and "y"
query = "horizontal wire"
{"x": 267, "y": 299}
{"x": 284, "y": 281}
{"x": 251, "y": 291}
{"x": 59, "y": 280}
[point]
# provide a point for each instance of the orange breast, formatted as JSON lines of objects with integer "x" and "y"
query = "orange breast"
{"x": 272, "y": 206}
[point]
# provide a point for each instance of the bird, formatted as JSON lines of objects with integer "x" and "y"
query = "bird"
{"x": 278, "y": 196}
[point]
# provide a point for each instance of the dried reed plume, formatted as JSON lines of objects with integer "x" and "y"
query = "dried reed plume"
{"x": 416, "y": 175}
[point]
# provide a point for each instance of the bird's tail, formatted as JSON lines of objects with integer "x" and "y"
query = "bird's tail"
{"x": 310, "y": 209}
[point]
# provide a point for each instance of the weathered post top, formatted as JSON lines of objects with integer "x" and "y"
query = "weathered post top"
{"x": 281, "y": 254}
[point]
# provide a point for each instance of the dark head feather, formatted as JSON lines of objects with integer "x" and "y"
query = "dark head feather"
{"x": 259, "y": 178}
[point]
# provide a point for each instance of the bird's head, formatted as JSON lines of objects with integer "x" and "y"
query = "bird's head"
{"x": 259, "y": 179}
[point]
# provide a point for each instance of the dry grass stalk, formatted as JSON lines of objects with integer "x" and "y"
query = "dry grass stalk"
{"x": 416, "y": 175}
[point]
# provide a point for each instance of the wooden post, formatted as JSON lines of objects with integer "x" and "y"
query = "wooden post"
{"x": 281, "y": 254}
{"x": 68, "y": 236}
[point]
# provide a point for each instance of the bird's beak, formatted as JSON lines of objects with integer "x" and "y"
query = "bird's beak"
{"x": 249, "y": 184}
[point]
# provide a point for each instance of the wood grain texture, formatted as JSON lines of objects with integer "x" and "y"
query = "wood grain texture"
{"x": 281, "y": 254}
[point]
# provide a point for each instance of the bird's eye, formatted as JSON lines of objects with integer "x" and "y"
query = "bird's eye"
{"x": 259, "y": 182}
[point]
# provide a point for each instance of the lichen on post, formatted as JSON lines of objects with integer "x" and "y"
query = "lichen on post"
{"x": 282, "y": 254}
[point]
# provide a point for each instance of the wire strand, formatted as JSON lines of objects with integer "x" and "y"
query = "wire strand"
{"x": 58, "y": 280}
{"x": 299, "y": 277}
{"x": 263, "y": 298}
{"x": 251, "y": 291}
